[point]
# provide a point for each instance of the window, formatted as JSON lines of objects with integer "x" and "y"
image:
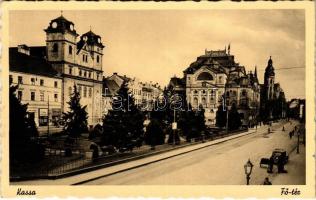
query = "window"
{"x": 98, "y": 59}
{"x": 55, "y": 47}
{"x": 20, "y": 95}
{"x": 80, "y": 72}
{"x": 85, "y": 91}
{"x": 70, "y": 50}
{"x": 32, "y": 96}
{"x": 42, "y": 82}
{"x": 83, "y": 59}
{"x": 10, "y": 79}
{"x": 86, "y": 58}
{"x": 70, "y": 70}
{"x": 90, "y": 92}
{"x": 20, "y": 80}
{"x": 55, "y": 84}
{"x": 84, "y": 73}
{"x": 97, "y": 76}
{"x": 244, "y": 93}
{"x": 205, "y": 76}
{"x": 89, "y": 74}
{"x": 79, "y": 90}
{"x": 42, "y": 96}
{"x": 56, "y": 97}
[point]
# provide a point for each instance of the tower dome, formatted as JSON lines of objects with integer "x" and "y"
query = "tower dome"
{"x": 61, "y": 25}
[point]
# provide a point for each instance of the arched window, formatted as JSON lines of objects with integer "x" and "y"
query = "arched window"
{"x": 55, "y": 47}
{"x": 70, "y": 50}
{"x": 195, "y": 102}
{"x": 205, "y": 76}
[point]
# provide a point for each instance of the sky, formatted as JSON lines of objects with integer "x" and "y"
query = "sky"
{"x": 155, "y": 45}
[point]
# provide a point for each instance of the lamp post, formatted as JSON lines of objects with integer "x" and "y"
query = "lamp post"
{"x": 174, "y": 127}
{"x": 248, "y": 169}
{"x": 298, "y": 142}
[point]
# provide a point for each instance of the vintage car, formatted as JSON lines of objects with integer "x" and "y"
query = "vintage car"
{"x": 277, "y": 154}
{"x": 280, "y": 154}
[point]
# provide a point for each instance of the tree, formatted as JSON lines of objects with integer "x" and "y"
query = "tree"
{"x": 154, "y": 133}
{"x": 77, "y": 116}
{"x": 123, "y": 126}
{"x": 22, "y": 132}
{"x": 221, "y": 117}
{"x": 234, "y": 121}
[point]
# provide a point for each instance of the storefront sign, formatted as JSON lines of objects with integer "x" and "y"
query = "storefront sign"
{"x": 43, "y": 112}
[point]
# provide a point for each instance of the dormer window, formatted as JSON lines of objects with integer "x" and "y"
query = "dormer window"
{"x": 55, "y": 47}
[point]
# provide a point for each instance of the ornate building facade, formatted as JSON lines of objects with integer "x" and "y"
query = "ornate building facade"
{"x": 215, "y": 76}
{"x": 77, "y": 61}
{"x": 144, "y": 93}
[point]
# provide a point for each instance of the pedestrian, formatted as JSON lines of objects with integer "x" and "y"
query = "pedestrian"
{"x": 280, "y": 164}
{"x": 267, "y": 181}
{"x": 270, "y": 167}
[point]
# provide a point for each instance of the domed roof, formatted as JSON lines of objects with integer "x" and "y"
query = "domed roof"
{"x": 61, "y": 24}
{"x": 91, "y": 39}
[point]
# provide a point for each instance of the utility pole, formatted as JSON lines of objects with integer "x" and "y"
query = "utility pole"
{"x": 298, "y": 142}
{"x": 48, "y": 117}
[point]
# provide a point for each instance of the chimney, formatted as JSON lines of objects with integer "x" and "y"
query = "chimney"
{"x": 22, "y": 48}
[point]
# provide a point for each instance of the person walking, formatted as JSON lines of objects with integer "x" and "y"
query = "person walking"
{"x": 270, "y": 167}
{"x": 267, "y": 181}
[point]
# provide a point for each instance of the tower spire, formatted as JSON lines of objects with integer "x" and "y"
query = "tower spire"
{"x": 255, "y": 74}
{"x": 61, "y": 13}
{"x": 229, "y": 49}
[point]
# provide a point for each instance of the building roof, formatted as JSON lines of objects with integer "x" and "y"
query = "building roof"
{"x": 61, "y": 25}
{"x": 177, "y": 82}
{"x": 21, "y": 62}
{"x": 89, "y": 38}
{"x": 110, "y": 87}
{"x": 213, "y": 58}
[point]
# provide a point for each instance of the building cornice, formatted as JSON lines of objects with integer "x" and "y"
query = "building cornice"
{"x": 75, "y": 64}
{"x": 82, "y": 78}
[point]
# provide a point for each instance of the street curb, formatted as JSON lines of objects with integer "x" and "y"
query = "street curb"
{"x": 161, "y": 159}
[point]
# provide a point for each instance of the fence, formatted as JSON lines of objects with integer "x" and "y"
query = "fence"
{"x": 56, "y": 163}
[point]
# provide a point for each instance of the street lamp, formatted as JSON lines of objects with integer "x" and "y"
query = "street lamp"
{"x": 298, "y": 142}
{"x": 248, "y": 169}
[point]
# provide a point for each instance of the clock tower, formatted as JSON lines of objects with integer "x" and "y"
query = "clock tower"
{"x": 61, "y": 39}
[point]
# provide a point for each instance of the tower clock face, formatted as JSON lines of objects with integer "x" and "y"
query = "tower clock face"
{"x": 71, "y": 27}
{"x": 54, "y": 24}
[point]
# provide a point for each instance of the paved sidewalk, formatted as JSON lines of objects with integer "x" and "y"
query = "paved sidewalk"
{"x": 129, "y": 165}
